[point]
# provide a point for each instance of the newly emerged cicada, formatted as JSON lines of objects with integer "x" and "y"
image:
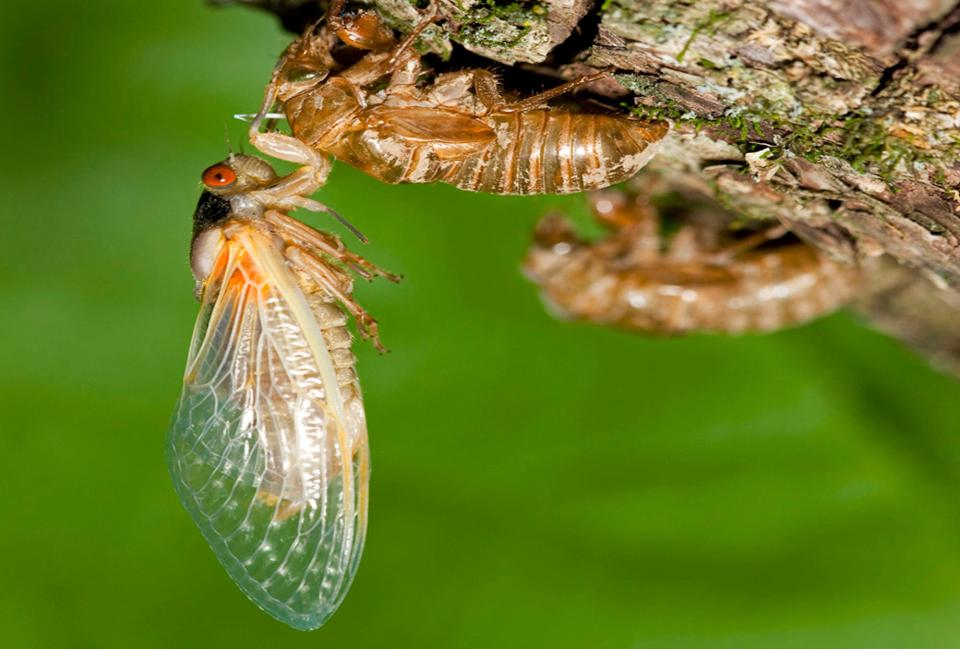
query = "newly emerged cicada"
{"x": 700, "y": 277}
{"x": 268, "y": 446}
{"x": 379, "y": 115}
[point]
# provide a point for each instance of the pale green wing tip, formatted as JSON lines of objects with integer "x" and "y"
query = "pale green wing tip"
{"x": 255, "y": 592}
{"x": 301, "y": 620}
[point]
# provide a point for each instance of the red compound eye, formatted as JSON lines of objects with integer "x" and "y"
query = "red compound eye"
{"x": 219, "y": 175}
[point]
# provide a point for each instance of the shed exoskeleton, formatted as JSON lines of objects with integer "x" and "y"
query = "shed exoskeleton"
{"x": 700, "y": 279}
{"x": 379, "y": 115}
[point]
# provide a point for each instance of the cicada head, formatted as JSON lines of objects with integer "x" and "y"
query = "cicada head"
{"x": 237, "y": 174}
{"x": 225, "y": 184}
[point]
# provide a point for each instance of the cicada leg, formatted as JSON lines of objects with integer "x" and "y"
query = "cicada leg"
{"x": 325, "y": 276}
{"x": 288, "y": 148}
{"x": 326, "y": 244}
{"x": 316, "y": 166}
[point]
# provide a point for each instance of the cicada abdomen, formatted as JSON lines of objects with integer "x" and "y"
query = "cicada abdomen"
{"x": 268, "y": 446}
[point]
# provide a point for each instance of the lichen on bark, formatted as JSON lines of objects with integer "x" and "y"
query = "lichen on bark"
{"x": 814, "y": 120}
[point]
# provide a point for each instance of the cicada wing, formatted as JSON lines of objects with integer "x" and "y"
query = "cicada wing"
{"x": 267, "y": 452}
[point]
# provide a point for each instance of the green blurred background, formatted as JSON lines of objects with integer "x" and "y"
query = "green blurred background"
{"x": 536, "y": 484}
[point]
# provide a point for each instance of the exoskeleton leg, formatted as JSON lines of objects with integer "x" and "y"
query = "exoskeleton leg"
{"x": 364, "y": 31}
{"x": 488, "y": 92}
{"x": 334, "y": 14}
{"x": 687, "y": 244}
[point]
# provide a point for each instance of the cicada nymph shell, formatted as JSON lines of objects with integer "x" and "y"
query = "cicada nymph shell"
{"x": 378, "y": 115}
{"x": 702, "y": 278}
{"x": 268, "y": 446}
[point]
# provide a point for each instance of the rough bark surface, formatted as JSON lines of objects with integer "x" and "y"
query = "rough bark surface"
{"x": 840, "y": 118}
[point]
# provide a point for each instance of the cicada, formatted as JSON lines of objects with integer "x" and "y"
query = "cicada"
{"x": 268, "y": 446}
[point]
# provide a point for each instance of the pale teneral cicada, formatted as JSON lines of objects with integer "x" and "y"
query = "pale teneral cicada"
{"x": 268, "y": 446}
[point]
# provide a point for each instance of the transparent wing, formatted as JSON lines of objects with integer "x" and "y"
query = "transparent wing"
{"x": 261, "y": 436}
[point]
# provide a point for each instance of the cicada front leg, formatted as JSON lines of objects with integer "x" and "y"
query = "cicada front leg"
{"x": 290, "y": 149}
{"x": 316, "y": 166}
{"x": 294, "y": 189}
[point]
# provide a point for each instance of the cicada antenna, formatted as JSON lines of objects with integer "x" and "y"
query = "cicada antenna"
{"x": 347, "y": 224}
{"x": 226, "y": 137}
{"x": 317, "y": 206}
